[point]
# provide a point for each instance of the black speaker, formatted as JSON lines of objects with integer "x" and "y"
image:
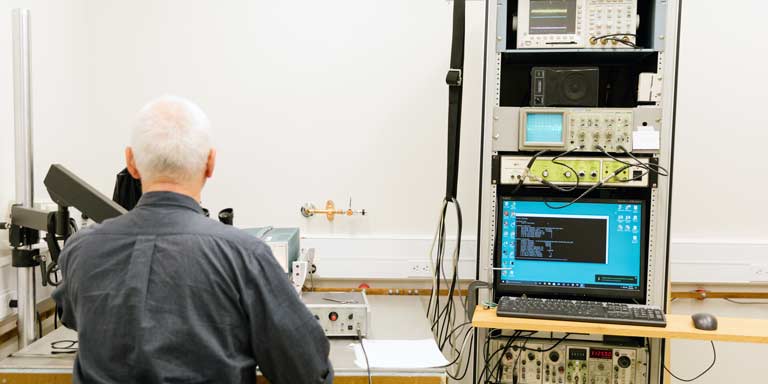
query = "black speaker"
{"x": 564, "y": 87}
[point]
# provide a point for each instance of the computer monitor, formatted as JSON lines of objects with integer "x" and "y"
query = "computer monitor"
{"x": 593, "y": 248}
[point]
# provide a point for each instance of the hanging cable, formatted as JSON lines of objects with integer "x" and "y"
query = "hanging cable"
{"x": 714, "y": 360}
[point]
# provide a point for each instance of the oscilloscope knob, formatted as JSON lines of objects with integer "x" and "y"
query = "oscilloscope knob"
{"x": 554, "y": 356}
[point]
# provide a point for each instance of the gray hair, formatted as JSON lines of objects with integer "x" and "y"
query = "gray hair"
{"x": 171, "y": 140}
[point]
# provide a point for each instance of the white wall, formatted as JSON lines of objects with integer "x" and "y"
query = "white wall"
{"x": 316, "y": 100}
{"x": 718, "y": 207}
{"x": 309, "y": 100}
{"x": 719, "y": 230}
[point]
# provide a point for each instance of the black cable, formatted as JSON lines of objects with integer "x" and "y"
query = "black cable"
{"x": 456, "y": 359}
{"x": 52, "y": 269}
{"x": 454, "y": 331}
{"x": 554, "y": 161}
{"x": 444, "y": 316}
{"x": 486, "y": 344}
{"x": 488, "y": 358}
{"x": 661, "y": 171}
{"x": 365, "y": 354}
{"x": 63, "y": 347}
{"x": 745, "y": 302}
{"x": 454, "y": 278}
{"x": 553, "y": 346}
{"x": 466, "y": 366}
{"x": 519, "y": 355}
{"x": 621, "y": 41}
{"x": 714, "y": 360}
{"x": 439, "y": 258}
{"x": 435, "y": 292}
{"x": 527, "y": 169}
{"x": 638, "y": 164}
{"x": 503, "y": 351}
{"x": 614, "y": 37}
{"x": 39, "y": 324}
{"x": 649, "y": 167}
{"x": 586, "y": 192}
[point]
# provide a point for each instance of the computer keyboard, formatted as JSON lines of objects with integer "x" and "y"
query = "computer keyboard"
{"x": 585, "y": 311}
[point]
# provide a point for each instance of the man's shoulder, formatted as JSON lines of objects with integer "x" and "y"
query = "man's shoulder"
{"x": 131, "y": 225}
{"x": 236, "y": 236}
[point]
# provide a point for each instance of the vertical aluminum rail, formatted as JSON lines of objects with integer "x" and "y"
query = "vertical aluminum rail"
{"x": 24, "y": 182}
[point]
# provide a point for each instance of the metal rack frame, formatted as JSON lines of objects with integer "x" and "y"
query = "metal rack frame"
{"x": 665, "y": 30}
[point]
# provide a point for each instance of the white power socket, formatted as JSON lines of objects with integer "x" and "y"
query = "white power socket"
{"x": 5, "y": 298}
{"x": 417, "y": 268}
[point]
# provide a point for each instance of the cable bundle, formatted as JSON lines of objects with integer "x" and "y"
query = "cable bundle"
{"x": 443, "y": 312}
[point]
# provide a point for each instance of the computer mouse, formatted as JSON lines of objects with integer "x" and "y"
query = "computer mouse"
{"x": 704, "y": 321}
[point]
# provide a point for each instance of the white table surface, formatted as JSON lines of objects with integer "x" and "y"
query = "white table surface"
{"x": 393, "y": 317}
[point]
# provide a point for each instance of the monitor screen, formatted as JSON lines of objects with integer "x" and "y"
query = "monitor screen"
{"x": 592, "y": 247}
{"x": 549, "y": 17}
{"x": 544, "y": 128}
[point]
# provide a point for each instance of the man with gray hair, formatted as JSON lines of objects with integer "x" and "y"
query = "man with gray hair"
{"x": 163, "y": 294}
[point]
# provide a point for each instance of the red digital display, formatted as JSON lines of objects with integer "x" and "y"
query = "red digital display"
{"x": 600, "y": 353}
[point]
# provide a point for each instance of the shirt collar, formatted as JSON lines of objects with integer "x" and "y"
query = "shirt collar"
{"x": 167, "y": 198}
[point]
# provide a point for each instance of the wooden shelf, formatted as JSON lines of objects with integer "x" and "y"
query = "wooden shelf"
{"x": 678, "y": 327}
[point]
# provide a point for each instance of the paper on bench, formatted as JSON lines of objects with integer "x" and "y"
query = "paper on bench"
{"x": 396, "y": 354}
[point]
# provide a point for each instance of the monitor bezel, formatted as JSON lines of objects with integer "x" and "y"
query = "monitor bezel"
{"x": 615, "y": 294}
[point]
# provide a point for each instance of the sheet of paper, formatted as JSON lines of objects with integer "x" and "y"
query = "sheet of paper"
{"x": 646, "y": 138}
{"x": 396, "y": 354}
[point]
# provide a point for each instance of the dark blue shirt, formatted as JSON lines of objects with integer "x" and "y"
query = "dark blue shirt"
{"x": 164, "y": 294}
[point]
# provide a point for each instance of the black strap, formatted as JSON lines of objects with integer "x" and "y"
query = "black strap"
{"x": 455, "y": 87}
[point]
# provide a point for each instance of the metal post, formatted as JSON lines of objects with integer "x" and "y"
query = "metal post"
{"x": 24, "y": 182}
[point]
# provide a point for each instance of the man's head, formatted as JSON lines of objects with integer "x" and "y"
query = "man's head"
{"x": 171, "y": 147}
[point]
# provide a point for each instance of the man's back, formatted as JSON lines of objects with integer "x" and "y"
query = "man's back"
{"x": 165, "y": 295}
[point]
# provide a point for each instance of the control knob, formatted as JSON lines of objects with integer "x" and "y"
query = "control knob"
{"x": 333, "y": 316}
{"x": 554, "y": 356}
